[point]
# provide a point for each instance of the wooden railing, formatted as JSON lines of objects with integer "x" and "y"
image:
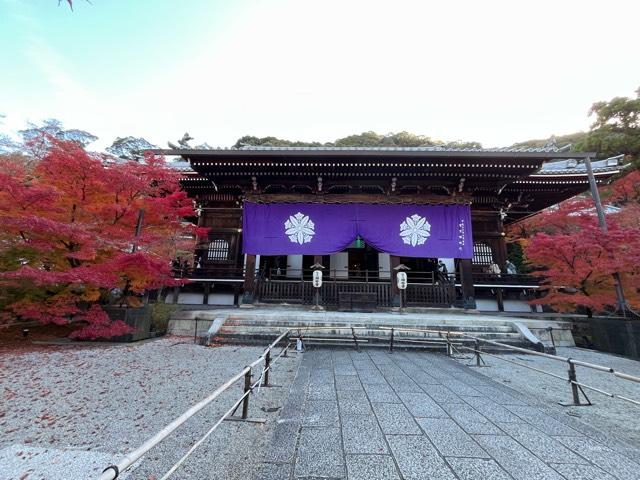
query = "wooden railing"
{"x": 302, "y": 292}
{"x": 224, "y": 272}
{"x": 365, "y": 276}
{"x": 440, "y": 295}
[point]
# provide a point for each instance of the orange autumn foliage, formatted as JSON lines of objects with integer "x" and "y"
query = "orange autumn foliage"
{"x": 67, "y": 230}
{"x": 576, "y": 260}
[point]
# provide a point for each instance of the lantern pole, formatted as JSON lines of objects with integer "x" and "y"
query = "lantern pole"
{"x": 317, "y": 283}
{"x": 595, "y": 194}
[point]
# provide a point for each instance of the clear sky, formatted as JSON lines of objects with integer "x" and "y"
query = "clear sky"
{"x": 492, "y": 71}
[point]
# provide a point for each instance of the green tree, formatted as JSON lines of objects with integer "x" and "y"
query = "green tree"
{"x": 250, "y": 140}
{"x": 616, "y": 129}
{"x": 462, "y": 144}
{"x": 406, "y": 139}
{"x": 36, "y": 139}
{"x": 365, "y": 139}
{"x": 559, "y": 141}
{"x": 129, "y": 148}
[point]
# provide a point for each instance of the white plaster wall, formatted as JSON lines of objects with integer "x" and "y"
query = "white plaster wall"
{"x": 190, "y": 298}
{"x": 384, "y": 265}
{"x": 450, "y": 264}
{"x": 339, "y": 265}
{"x": 486, "y": 305}
{"x": 294, "y": 265}
{"x": 516, "y": 306}
{"x": 221, "y": 299}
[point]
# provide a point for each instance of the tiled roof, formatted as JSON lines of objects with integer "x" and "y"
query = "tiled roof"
{"x": 572, "y": 165}
{"x": 431, "y": 148}
{"x": 180, "y": 165}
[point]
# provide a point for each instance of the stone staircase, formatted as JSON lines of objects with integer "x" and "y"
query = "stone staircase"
{"x": 259, "y": 327}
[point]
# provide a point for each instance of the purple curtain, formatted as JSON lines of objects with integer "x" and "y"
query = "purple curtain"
{"x": 320, "y": 229}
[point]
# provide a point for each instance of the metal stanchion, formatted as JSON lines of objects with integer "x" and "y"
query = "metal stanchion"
{"x": 195, "y": 332}
{"x": 478, "y": 359}
{"x": 553, "y": 341}
{"x": 448, "y": 345}
{"x": 391, "y": 342}
{"x": 267, "y": 363}
{"x": 575, "y": 389}
{"x": 355, "y": 339}
{"x": 245, "y": 402}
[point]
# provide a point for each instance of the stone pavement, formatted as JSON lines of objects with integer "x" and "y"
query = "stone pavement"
{"x": 414, "y": 415}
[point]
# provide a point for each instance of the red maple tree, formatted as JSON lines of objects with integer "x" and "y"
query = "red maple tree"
{"x": 576, "y": 259}
{"x": 67, "y": 235}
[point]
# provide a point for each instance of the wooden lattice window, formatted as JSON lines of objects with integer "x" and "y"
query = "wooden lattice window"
{"x": 482, "y": 254}
{"x": 218, "y": 251}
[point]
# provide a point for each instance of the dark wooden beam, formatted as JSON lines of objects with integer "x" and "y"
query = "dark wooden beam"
{"x": 357, "y": 198}
{"x": 466, "y": 281}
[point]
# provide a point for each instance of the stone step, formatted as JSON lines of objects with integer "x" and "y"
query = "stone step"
{"x": 346, "y": 341}
{"x": 341, "y": 330}
{"x": 433, "y": 330}
{"x": 396, "y": 320}
{"x": 252, "y": 326}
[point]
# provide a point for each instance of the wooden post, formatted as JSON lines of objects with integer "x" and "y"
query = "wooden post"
{"x": 205, "y": 295}
{"x": 532, "y": 295}
{"x": 176, "y": 294}
{"x": 236, "y": 294}
{"x": 500, "y": 251}
{"x": 249, "y": 279}
{"x": 395, "y": 291}
{"x": 466, "y": 280}
{"x": 500, "y": 299}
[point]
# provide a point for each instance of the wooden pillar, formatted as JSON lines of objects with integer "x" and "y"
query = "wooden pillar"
{"x": 236, "y": 294}
{"x": 532, "y": 295}
{"x": 317, "y": 259}
{"x": 394, "y": 290}
{"x": 466, "y": 281}
{"x": 500, "y": 299}
{"x": 176, "y": 294}
{"x": 198, "y": 255}
{"x": 249, "y": 279}
{"x": 205, "y": 295}
{"x": 501, "y": 247}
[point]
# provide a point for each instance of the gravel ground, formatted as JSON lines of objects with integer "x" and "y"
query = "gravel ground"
{"x": 613, "y": 416}
{"x": 65, "y": 410}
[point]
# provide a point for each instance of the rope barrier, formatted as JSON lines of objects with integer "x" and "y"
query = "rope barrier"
{"x": 227, "y": 414}
{"x": 516, "y": 363}
{"x": 113, "y": 471}
{"x": 580, "y": 363}
{"x": 206, "y": 435}
{"x": 572, "y": 382}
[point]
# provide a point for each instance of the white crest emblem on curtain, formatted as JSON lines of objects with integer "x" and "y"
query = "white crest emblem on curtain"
{"x": 415, "y": 230}
{"x": 299, "y": 228}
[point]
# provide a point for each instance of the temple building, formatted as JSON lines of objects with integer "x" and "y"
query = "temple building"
{"x": 361, "y": 215}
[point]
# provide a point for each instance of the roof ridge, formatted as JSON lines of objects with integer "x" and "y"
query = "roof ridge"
{"x": 430, "y": 148}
